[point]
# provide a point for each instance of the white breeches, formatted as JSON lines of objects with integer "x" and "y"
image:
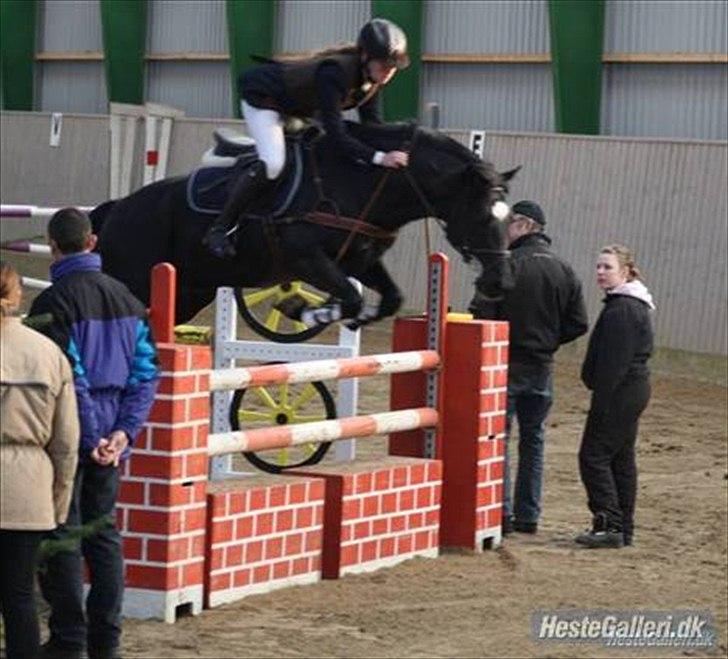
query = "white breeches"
{"x": 266, "y": 128}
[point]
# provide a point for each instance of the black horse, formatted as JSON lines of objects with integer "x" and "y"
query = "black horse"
{"x": 443, "y": 179}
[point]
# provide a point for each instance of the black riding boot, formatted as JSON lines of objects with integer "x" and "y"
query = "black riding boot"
{"x": 250, "y": 185}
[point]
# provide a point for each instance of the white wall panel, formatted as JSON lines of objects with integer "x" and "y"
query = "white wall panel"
{"x": 71, "y": 87}
{"x": 69, "y": 25}
{"x": 311, "y": 24}
{"x": 665, "y": 100}
{"x": 186, "y": 26}
{"x": 491, "y": 96}
{"x": 485, "y": 26}
{"x": 201, "y": 89}
{"x": 670, "y": 26}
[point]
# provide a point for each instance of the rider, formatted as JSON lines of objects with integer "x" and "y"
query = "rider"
{"x": 326, "y": 84}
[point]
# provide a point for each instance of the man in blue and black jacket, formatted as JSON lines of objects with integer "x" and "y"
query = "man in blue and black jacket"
{"x": 104, "y": 332}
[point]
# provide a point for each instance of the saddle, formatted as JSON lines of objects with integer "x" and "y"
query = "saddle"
{"x": 208, "y": 186}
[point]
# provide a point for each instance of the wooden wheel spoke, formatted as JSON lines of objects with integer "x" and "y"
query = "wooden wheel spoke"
{"x": 252, "y": 299}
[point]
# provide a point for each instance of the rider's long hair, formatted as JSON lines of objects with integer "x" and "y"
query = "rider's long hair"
{"x": 334, "y": 49}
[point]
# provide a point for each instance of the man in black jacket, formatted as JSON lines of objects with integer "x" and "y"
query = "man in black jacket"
{"x": 545, "y": 309}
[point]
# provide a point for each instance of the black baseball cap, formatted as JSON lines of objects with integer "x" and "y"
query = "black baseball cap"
{"x": 531, "y": 210}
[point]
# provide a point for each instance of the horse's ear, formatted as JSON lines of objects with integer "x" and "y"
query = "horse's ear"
{"x": 507, "y": 176}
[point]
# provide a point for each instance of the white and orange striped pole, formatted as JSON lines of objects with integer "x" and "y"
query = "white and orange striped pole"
{"x": 262, "y": 439}
{"x": 324, "y": 369}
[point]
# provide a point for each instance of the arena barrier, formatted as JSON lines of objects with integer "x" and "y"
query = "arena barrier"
{"x": 18, "y": 212}
{"x": 190, "y": 541}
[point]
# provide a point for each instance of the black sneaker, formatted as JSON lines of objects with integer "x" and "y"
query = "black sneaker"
{"x": 51, "y": 650}
{"x": 602, "y": 535}
{"x": 525, "y": 527}
{"x": 507, "y": 526}
{"x": 609, "y": 539}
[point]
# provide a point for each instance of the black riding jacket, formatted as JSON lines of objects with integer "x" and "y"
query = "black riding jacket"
{"x": 546, "y": 307}
{"x": 619, "y": 348}
{"x": 319, "y": 87}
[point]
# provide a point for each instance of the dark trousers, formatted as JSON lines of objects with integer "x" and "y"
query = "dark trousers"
{"x": 530, "y": 394}
{"x": 607, "y": 455}
{"x": 18, "y": 556}
{"x": 61, "y": 577}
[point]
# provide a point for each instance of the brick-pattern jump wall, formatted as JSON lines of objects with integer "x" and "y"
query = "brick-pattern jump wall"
{"x": 491, "y": 432}
{"x": 379, "y": 513}
{"x": 161, "y": 506}
{"x": 263, "y": 532}
{"x": 473, "y": 424}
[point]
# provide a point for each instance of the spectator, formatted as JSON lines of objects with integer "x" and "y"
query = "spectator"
{"x": 545, "y": 309}
{"x": 38, "y": 455}
{"x": 615, "y": 370}
{"x": 104, "y": 332}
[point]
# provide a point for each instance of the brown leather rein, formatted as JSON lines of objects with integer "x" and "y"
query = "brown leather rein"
{"x": 355, "y": 226}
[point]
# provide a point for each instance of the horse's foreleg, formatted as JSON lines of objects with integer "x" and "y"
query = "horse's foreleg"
{"x": 378, "y": 279}
{"x": 320, "y": 271}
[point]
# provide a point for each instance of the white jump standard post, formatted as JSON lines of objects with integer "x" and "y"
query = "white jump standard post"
{"x": 228, "y": 348}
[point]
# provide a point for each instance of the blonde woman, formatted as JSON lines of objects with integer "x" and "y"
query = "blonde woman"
{"x": 615, "y": 370}
{"x": 38, "y": 455}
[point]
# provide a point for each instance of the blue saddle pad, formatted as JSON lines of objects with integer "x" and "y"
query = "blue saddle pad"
{"x": 208, "y": 188}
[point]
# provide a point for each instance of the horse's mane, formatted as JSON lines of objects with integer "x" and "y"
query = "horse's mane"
{"x": 395, "y": 135}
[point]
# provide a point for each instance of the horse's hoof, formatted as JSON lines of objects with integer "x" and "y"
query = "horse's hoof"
{"x": 291, "y": 306}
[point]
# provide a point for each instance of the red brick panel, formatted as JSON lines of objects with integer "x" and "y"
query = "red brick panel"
{"x": 162, "y": 501}
{"x": 262, "y": 535}
{"x": 385, "y": 513}
{"x": 475, "y": 380}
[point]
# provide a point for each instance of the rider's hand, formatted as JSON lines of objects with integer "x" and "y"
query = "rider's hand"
{"x": 395, "y": 159}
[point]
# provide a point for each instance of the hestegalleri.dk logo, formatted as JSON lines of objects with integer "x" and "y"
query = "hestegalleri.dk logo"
{"x": 628, "y": 629}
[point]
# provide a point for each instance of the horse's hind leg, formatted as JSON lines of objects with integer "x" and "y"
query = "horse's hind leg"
{"x": 320, "y": 271}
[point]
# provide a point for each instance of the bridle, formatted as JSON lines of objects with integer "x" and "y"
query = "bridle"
{"x": 360, "y": 224}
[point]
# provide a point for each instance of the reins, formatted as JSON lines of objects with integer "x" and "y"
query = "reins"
{"x": 360, "y": 224}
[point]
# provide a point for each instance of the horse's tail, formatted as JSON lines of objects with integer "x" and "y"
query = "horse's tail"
{"x": 99, "y": 214}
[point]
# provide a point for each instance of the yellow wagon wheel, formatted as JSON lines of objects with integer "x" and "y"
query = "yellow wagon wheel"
{"x": 258, "y": 309}
{"x": 259, "y": 407}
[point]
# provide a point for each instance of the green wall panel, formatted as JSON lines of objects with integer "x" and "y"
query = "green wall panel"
{"x": 402, "y": 95}
{"x": 17, "y": 50}
{"x": 250, "y": 32}
{"x": 577, "y": 39}
{"x": 124, "y": 25}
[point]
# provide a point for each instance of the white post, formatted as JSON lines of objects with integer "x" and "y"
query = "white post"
{"x": 347, "y": 401}
{"x": 227, "y": 348}
{"x": 114, "y": 155}
{"x": 150, "y": 146}
{"x": 226, "y": 326}
{"x": 164, "y": 142}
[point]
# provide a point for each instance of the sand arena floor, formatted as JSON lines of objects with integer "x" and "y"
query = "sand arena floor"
{"x": 480, "y": 605}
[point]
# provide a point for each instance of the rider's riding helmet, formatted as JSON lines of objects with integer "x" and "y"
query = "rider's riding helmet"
{"x": 382, "y": 39}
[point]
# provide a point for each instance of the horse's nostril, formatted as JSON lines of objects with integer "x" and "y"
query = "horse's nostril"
{"x": 500, "y": 210}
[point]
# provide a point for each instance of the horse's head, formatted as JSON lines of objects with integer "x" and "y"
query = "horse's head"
{"x": 469, "y": 196}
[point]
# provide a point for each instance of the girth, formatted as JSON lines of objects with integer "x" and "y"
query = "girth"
{"x": 348, "y": 224}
